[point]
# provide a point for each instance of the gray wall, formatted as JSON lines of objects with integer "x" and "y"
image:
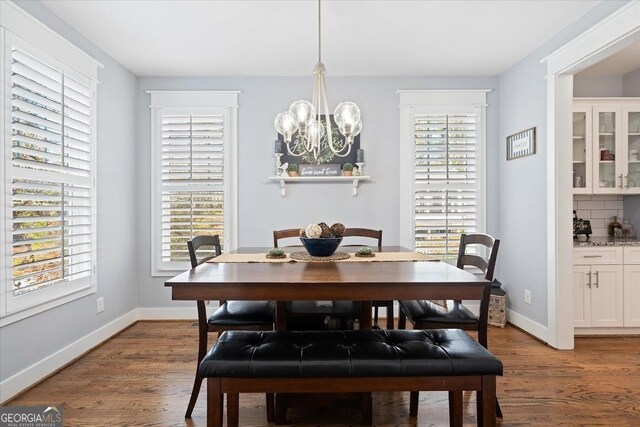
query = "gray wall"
{"x": 631, "y": 83}
{"x": 28, "y": 341}
{"x": 523, "y": 182}
{"x": 597, "y": 86}
{"x": 261, "y": 207}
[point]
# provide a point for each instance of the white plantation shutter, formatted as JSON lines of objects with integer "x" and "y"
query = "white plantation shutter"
{"x": 445, "y": 182}
{"x": 51, "y": 185}
{"x": 48, "y": 155}
{"x": 442, "y": 151}
{"x": 192, "y": 157}
{"x": 192, "y": 181}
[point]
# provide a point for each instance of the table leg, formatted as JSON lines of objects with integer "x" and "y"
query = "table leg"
{"x": 281, "y": 315}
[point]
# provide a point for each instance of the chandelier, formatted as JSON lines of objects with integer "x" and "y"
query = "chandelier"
{"x": 306, "y": 117}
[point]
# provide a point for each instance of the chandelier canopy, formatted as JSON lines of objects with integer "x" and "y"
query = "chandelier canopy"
{"x": 306, "y": 117}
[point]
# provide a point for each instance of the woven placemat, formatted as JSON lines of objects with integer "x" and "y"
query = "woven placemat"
{"x": 304, "y": 256}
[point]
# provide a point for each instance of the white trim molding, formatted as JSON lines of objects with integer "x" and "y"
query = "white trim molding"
{"x": 415, "y": 102}
{"x": 219, "y": 103}
{"x": 536, "y": 329}
{"x": 609, "y": 36}
{"x": 22, "y": 24}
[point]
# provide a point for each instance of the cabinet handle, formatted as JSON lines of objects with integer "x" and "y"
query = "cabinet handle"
{"x": 627, "y": 184}
{"x": 592, "y": 256}
{"x": 597, "y": 280}
{"x": 620, "y": 181}
{"x": 589, "y": 274}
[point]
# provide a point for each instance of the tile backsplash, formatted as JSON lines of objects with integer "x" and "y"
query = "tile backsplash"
{"x": 599, "y": 209}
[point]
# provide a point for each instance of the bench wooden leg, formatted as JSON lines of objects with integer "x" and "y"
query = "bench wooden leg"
{"x": 455, "y": 408}
{"x": 486, "y": 402}
{"x": 233, "y": 409}
{"x": 281, "y": 408}
{"x": 413, "y": 403}
{"x": 270, "y": 401}
{"x": 366, "y": 407}
{"x": 214, "y": 403}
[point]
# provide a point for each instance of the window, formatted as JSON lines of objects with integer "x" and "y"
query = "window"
{"x": 193, "y": 146}
{"x": 442, "y": 152}
{"x": 48, "y": 154}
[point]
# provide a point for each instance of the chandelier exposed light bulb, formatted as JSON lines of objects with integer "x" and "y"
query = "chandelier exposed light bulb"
{"x": 286, "y": 125}
{"x": 308, "y": 117}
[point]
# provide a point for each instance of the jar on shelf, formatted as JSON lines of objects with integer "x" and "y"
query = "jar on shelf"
{"x": 613, "y": 226}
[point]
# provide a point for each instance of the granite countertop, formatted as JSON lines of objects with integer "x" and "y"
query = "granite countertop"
{"x": 605, "y": 241}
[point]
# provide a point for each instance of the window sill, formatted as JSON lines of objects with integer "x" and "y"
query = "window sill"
{"x": 16, "y": 316}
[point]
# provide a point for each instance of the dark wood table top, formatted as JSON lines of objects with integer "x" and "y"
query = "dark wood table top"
{"x": 326, "y": 281}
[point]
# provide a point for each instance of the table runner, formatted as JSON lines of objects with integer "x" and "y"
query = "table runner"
{"x": 380, "y": 257}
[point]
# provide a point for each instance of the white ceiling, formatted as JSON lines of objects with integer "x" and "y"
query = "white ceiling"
{"x": 617, "y": 64}
{"x": 279, "y": 38}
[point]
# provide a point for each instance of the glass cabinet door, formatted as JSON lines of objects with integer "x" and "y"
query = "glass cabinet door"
{"x": 631, "y": 147}
{"x": 581, "y": 153}
{"x": 606, "y": 127}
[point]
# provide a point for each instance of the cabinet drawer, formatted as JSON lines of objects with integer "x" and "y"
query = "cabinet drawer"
{"x": 598, "y": 255}
{"x": 632, "y": 255}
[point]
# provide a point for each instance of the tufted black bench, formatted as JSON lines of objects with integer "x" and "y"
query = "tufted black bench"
{"x": 349, "y": 361}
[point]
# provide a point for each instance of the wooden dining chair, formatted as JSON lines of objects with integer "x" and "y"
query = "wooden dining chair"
{"x": 230, "y": 315}
{"x": 285, "y": 234}
{"x": 377, "y": 235}
{"x": 429, "y": 315}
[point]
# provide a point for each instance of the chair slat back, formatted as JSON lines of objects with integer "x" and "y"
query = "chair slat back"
{"x": 200, "y": 241}
{"x": 487, "y": 266}
{"x": 284, "y": 234}
{"x": 349, "y": 232}
{"x": 365, "y": 232}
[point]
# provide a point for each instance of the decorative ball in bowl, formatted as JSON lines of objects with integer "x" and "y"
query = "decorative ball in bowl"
{"x": 321, "y": 246}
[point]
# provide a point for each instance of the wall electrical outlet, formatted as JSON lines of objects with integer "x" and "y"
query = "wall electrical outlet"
{"x": 527, "y": 296}
{"x": 100, "y": 305}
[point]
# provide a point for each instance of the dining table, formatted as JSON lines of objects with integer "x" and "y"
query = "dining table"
{"x": 320, "y": 281}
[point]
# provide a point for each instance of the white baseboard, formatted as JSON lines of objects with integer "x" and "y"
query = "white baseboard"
{"x": 528, "y": 325}
{"x": 45, "y": 367}
{"x": 168, "y": 313}
{"x": 583, "y": 332}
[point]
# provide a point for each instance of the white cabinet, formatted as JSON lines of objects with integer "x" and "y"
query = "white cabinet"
{"x": 606, "y": 146}
{"x": 582, "y": 150}
{"x": 606, "y": 287}
{"x": 598, "y": 295}
{"x": 632, "y": 286}
{"x": 581, "y": 296}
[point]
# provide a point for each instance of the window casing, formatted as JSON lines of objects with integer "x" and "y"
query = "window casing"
{"x": 442, "y": 156}
{"x": 48, "y": 153}
{"x": 193, "y": 173}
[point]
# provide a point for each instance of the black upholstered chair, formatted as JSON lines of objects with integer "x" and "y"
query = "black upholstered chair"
{"x": 237, "y": 315}
{"x": 428, "y": 315}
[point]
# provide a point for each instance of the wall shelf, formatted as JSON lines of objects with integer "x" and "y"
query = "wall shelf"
{"x": 283, "y": 180}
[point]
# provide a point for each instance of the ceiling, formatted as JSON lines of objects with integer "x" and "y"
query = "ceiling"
{"x": 279, "y": 38}
{"x": 618, "y": 64}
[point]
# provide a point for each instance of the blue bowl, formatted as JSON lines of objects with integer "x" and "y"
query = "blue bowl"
{"x": 321, "y": 246}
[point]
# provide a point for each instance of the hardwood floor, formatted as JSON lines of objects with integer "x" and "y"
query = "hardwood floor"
{"x": 143, "y": 377}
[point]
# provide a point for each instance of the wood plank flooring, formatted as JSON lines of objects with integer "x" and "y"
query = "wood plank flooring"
{"x": 143, "y": 377}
